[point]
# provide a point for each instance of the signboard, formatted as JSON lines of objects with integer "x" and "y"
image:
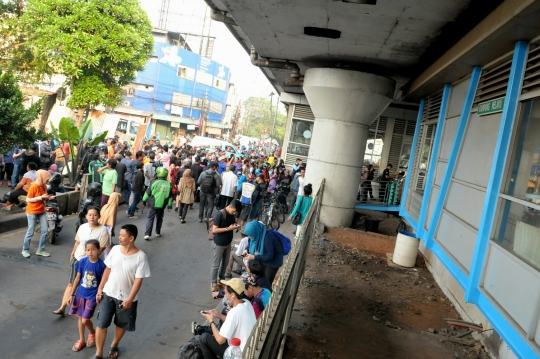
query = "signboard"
{"x": 492, "y": 106}
{"x": 175, "y": 124}
{"x": 191, "y": 127}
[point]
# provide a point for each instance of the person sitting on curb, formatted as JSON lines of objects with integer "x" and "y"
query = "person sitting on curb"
{"x": 258, "y": 296}
{"x": 238, "y": 324}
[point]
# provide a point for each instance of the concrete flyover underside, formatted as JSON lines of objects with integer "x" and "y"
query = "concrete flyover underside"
{"x": 344, "y": 103}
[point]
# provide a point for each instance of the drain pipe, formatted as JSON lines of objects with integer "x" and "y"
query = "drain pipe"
{"x": 219, "y": 16}
{"x": 275, "y": 64}
{"x": 294, "y": 82}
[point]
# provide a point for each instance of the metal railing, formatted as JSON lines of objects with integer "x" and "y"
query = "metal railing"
{"x": 267, "y": 338}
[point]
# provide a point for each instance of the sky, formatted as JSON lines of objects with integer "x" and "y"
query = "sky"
{"x": 188, "y": 16}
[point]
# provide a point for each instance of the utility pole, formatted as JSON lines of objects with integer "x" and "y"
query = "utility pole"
{"x": 235, "y": 120}
{"x": 204, "y": 115}
{"x": 274, "y": 125}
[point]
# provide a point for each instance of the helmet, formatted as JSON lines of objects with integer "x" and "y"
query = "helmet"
{"x": 55, "y": 180}
{"x": 94, "y": 189}
{"x": 258, "y": 172}
{"x": 162, "y": 172}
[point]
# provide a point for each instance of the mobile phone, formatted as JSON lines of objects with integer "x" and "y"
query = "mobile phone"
{"x": 120, "y": 305}
{"x": 204, "y": 312}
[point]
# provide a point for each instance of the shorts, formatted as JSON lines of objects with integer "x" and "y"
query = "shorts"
{"x": 72, "y": 270}
{"x": 109, "y": 308}
{"x": 82, "y": 308}
{"x": 243, "y": 216}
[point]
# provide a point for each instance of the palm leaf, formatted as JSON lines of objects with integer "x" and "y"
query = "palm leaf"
{"x": 68, "y": 131}
{"x": 99, "y": 138}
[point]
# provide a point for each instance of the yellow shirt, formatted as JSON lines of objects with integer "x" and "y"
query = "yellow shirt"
{"x": 271, "y": 159}
{"x": 146, "y": 160}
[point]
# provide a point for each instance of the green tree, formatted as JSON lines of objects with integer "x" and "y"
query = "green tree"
{"x": 11, "y": 37}
{"x": 258, "y": 116}
{"x": 79, "y": 139}
{"x": 15, "y": 119}
{"x": 97, "y": 44}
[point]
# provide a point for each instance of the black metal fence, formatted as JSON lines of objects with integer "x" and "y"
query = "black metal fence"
{"x": 267, "y": 338}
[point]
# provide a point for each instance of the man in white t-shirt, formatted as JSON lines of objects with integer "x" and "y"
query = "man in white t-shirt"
{"x": 238, "y": 323}
{"x": 127, "y": 266}
{"x": 229, "y": 181}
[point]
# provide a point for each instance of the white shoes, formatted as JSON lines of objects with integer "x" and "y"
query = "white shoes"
{"x": 43, "y": 254}
{"x": 25, "y": 254}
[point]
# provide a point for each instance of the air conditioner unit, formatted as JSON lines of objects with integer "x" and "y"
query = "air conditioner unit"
{"x": 127, "y": 104}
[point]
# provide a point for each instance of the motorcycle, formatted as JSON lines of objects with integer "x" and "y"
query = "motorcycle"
{"x": 92, "y": 200}
{"x": 54, "y": 218}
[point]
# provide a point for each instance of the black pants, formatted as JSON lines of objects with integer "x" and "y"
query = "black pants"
{"x": 224, "y": 201}
{"x": 271, "y": 274}
{"x": 14, "y": 195}
{"x": 207, "y": 201}
{"x": 154, "y": 213}
{"x": 182, "y": 212}
{"x": 210, "y": 348}
{"x": 6, "y": 171}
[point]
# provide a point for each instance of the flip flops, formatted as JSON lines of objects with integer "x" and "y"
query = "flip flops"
{"x": 113, "y": 353}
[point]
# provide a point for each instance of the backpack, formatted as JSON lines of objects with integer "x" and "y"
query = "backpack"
{"x": 190, "y": 350}
{"x": 285, "y": 241}
{"x": 208, "y": 183}
{"x": 210, "y": 224}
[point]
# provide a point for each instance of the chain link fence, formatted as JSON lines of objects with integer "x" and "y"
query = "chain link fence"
{"x": 267, "y": 338}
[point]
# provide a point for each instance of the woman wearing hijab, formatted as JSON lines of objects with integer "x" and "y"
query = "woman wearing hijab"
{"x": 186, "y": 189}
{"x": 108, "y": 214}
{"x": 265, "y": 247}
{"x": 22, "y": 187}
{"x": 35, "y": 212}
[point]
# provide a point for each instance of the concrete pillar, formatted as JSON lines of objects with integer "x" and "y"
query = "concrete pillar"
{"x": 344, "y": 103}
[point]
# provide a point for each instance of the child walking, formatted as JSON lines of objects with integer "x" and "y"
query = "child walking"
{"x": 90, "y": 270}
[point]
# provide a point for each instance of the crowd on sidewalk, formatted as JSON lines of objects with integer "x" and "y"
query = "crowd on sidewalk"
{"x": 163, "y": 177}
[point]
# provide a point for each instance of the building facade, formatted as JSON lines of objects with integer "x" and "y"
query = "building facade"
{"x": 184, "y": 91}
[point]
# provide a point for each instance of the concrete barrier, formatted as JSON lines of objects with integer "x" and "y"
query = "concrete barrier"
{"x": 62, "y": 200}
{"x": 13, "y": 222}
{"x": 73, "y": 202}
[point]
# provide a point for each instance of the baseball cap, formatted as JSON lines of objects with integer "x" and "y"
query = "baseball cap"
{"x": 235, "y": 283}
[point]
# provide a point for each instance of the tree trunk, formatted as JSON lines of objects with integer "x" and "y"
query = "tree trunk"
{"x": 80, "y": 116}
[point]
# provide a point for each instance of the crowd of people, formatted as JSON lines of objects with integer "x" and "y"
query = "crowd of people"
{"x": 163, "y": 177}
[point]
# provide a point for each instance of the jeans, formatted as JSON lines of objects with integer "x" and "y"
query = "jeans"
{"x": 158, "y": 215}
{"x": 127, "y": 187}
{"x": 221, "y": 260}
{"x": 207, "y": 200}
{"x": 15, "y": 177}
{"x": 182, "y": 211}
{"x": 32, "y": 219}
{"x": 224, "y": 201}
{"x": 136, "y": 200}
{"x": 232, "y": 260}
{"x": 210, "y": 348}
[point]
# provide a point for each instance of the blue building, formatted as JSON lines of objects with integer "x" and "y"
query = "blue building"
{"x": 179, "y": 88}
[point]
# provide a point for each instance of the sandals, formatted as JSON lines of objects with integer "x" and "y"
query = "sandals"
{"x": 79, "y": 344}
{"x": 59, "y": 312}
{"x": 113, "y": 353}
{"x": 91, "y": 341}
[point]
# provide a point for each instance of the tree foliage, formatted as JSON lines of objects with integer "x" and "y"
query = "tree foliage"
{"x": 258, "y": 115}
{"x": 76, "y": 137}
{"x": 15, "y": 119}
{"x": 97, "y": 44}
{"x": 12, "y": 38}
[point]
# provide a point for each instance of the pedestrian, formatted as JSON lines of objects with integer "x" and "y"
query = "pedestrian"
{"x": 228, "y": 188}
{"x": 166, "y": 157}
{"x": 83, "y": 303}
{"x": 108, "y": 213}
{"x": 137, "y": 189}
{"x": 45, "y": 152}
{"x": 7, "y": 163}
{"x": 186, "y": 190}
{"x": 17, "y": 159}
{"x": 210, "y": 184}
{"x": 257, "y": 197}
{"x": 93, "y": 167}
{"x": 35, "y": 212}
{"x": 130, "y": 170}
{"x": 121, "y": 170}
{"x": 150, "y": 169}
{"x": 117, "y": 294}
{"x": 264, "y": 246}
{"x": 30, "y": 155}
{"x": 196, "y": 170}
{"x": 158, "y": 195}
{"x": 224, "y": 225}
{"x": 21, "y": 189}
{"x": 302, "y": 206}
{"x": 110, "y": 178}
{"x": 92, "y": 229}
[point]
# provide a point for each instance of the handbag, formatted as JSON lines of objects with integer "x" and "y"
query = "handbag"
{"x": 296, "y": 218}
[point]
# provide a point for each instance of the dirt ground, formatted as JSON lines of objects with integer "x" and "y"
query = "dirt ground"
{"x": 352, "y": 305}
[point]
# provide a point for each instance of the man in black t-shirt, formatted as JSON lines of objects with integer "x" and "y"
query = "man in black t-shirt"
{"x": 223, "y": 235}
{"x": 386, "y": 178}
{"x": 258, "y": 194}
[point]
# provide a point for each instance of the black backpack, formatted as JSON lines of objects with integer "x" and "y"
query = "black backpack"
{"x": 208, "y": 183}
{"x": 190, "y": 350}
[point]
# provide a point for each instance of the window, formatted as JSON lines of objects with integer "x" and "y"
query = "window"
{"x": 219, "y": 83}
{"x": 301, "y": 131}
{"x": 216, "y": 107}
{"x": 518, "y": 227}
{"x": 374, "y": 147}
{"x": 185, "y": 72}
